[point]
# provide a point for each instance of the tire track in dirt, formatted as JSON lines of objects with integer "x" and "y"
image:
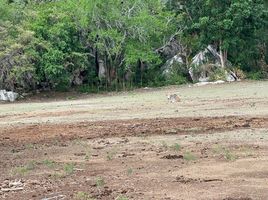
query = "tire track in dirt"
{"x": 38, "y": 133}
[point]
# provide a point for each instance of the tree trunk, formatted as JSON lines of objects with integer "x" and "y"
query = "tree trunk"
{"x": 222, "y": 56}
{"x": 96, "y": 62}
{"x": 262, "y": 60}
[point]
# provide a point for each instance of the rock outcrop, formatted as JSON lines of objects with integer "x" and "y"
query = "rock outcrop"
{"x": 8, "y": 96}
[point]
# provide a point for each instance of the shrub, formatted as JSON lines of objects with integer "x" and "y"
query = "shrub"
{"x": 239, "y": 73}
{"x": 218, "y": 74}
{"x": 82, "y": 196}
{"x": 188, "y": 156}
{"x": 69, "y": 168}
{"x": 256, "y": 75}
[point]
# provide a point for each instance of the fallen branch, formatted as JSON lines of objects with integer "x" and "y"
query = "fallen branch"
{"x": 55, "y": 197}
{"x": 11, "y": 189}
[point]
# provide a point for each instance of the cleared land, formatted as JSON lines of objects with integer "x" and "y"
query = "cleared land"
{"x": 137, "y": 145}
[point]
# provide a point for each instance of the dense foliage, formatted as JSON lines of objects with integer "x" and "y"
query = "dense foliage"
{"x": 115, "y": 44}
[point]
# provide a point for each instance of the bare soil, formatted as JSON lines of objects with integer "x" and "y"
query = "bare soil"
{"x": 137, "y": 145}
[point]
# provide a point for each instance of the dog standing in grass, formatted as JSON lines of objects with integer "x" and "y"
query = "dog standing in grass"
{"x": 173, "y": 98}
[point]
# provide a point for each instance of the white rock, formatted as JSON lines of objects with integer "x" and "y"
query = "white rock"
{"x": 8, "y": 96}
{"x": 218, "y": 82}
{"x": 209, "y": 83}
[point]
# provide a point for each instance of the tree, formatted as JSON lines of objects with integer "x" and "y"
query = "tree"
{"x": 123, "y": 35}
{"x": 16, "y": 68}
{"x": 226, "y": 24}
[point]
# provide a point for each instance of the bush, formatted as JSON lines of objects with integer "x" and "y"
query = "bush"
{"x": 176, "y": 79}
{"x": 63, "y": 84}
{"x": 239, "y": 73}
{"x": 218, "y": 74}
{"x": 176, "y": 74}
{"x": 256, "y": 75}
{"x": 87, "y": 89}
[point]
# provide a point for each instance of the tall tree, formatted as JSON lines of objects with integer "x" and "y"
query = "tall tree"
{"x": 227, "y": 24}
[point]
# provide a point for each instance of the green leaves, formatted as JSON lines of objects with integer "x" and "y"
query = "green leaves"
{"x": 65, "y": 42}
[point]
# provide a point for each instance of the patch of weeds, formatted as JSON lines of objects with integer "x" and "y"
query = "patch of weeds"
{"x": 247, "y": 151}
{"x": 49, "y": 163}
{"x": 86, "y": 89}
{"x": 29, "y": 146}
{"x": 176, "y": 147}
{"x": 23, "y": 170}
{"x": 218, "y": 149}
{"x": 82, "y": 196}
{"x": 100, "y": 182}
{"x": 129, "y": 171}
{"x": 71, "y": 98}
{"x": 88, "y": 156}
{"x": 121, "y": 198}
{"x": 68, "y": 168}
{"x": 110, "y": 155}
{"x": 77, "y": 141}
{"x": 20, "y": 171}
{"x": 228, "y": 155}
{"x": 164, "y": 145}
{"x": 57, "y": 175}
{"x": 256, "y": 75}
{"x": 218, "y": 74}
{"x": 188, "y": 156}
{"x": 31, "y": 165}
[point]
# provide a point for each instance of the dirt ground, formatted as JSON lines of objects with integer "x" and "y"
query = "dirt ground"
{"x": 137, "y": 145}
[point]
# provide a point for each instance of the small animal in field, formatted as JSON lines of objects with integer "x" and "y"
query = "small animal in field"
{"x": 173, "y": 98}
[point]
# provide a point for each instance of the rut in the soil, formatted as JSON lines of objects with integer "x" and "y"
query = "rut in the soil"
{"x": 36, "y": 133}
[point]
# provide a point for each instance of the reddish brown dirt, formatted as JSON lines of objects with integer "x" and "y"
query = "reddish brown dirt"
{"x": 136, "y": 159}
{"x": 44, "y": 132}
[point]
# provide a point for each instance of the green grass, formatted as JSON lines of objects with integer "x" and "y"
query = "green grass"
{"x": 226, "y": 153}
{"x": 164, "y": 145}
{"x": 20, "y": 171}
{"x": 188, "y": 156}
{"x": 82, "y": 196}
{"x": 23, "y": 170}
{"x": 218, "y": 149}
{"x": 71, "y": 98}
{"x": 100, "y": 182}
{"x": 49, "y": 163}
{"x": 247, "y": 151}
{"x": 87, "y": 89}
{"x": 31, "y": 165}
{"x": 29, "y": 146}
{"x": 111, "y": 154}
{"x": 176, "y": 147}
{"x": 68, "y": 168}
{"x": 121, "y": 198}
{"x": 129, "y": 171}
{"x": 57, "y": 176}
{"x": 88, "y": 156}
{"x": 256, "y": 75}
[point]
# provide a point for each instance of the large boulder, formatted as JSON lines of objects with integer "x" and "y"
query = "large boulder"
{"x": 8, "y": 96}
{"x": 171, "y": 63}
{"x": 206, "y": 66}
